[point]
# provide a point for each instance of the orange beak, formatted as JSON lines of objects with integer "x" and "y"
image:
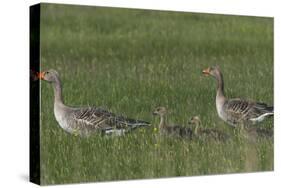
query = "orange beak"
{"x": 206, "y": 71}
{"x": 40, "y": 75}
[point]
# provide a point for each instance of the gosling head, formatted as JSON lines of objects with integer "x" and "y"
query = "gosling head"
{"x": 49, "y": 75}
{"x": 212, "y": 71}
{"x": 160, "y": 111}
{"x": 195, "y": 120}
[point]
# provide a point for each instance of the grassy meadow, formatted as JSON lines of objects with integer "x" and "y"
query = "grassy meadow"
{"x": 131, "y": 61}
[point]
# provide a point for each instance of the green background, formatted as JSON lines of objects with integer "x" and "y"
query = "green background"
{"x": 131, "y": 61}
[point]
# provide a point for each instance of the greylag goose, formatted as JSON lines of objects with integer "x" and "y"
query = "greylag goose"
{"x": 86, "y": 120}
{"x": 172, "y": 130}
{"x": 237, "y": 111}
{"x": 207, "y": 132}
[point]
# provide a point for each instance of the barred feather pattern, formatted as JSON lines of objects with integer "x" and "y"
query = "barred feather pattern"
{"x": 92, "y": 119}
{"x": 238, "y": 110}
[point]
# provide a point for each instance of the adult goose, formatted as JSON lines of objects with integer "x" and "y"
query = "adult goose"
{"x": 237, "y": 111}
{"x": 211, "y": 133}
{"x": 86, "y": 120}
{"x": 171, "y": 130}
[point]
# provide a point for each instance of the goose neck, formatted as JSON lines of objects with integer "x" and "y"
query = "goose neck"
{"x": 197, "y": 124}
{"x": 58, "y": 92}
{"x": 163, "y": 121}
{"x": 220, "y": 86}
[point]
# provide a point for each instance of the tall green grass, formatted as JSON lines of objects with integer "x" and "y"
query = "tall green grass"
{"x": 129, "y": 62}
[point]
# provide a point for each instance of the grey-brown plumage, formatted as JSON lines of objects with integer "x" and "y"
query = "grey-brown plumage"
{"x": 237, "y": 111}
{"x": 171, "y": 130}
{"x": 260, "y": 132}
{"x": 209, "y": 133}
{"x": 87, "y": 120}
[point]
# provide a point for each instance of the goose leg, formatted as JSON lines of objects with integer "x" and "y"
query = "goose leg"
{"x": 240, "y": 127}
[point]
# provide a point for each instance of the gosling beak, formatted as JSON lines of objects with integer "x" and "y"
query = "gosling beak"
{"x": 154, "y": 113}
{"x": 40, "y": 75}
{"x": 206, "y": 72}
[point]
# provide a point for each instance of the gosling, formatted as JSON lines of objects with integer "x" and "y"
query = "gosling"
{"x": 209, "y": 133}
{"x": 171, "y": 130}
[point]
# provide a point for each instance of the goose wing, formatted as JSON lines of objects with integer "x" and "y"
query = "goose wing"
{"x": 100, "y": 119}
{"x": 238, "y": 110}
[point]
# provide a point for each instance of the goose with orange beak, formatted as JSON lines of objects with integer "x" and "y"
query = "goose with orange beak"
{"x": 86, "y": 120}
{"x": 236, "y": 111}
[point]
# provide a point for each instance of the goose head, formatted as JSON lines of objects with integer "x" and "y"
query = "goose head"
{"x": 160, "y": 111}
{"x": 212, "y": 71}
{"x": 49, "y": 76}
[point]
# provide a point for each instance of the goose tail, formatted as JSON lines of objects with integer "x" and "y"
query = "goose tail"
{"x": 133, "y": 124}
{"x": 263, "y": 111}
{"x": 264, "y": 108}
{"x": 270, "y": 109}
{"x": 114, "y": 132}
{"x": 124, "y": 126}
